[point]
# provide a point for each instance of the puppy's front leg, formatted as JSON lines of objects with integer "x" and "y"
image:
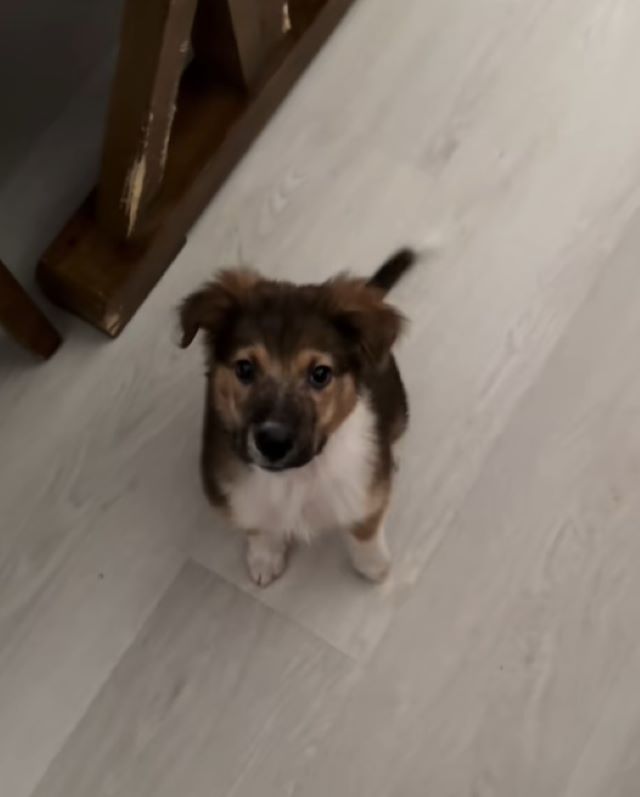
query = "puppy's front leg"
{"x": 368, "y": 548}
{"x": 266, "y": 556}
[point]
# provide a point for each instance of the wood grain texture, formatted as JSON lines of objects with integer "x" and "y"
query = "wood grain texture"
{"x": 496, "y": 671}
{"x": 191, "y": 692}
{"x": 609, "y": 762}
{"x": 502, "y": 657}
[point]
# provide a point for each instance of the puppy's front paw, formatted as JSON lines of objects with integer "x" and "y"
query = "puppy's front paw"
{"x": 371, "y": 557}
{"x": 266, "y": 559}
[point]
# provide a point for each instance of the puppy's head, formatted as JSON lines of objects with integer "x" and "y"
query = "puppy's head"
{"x": 286, "y": 362}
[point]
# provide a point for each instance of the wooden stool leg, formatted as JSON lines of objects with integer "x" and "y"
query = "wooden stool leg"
{"x": 235, "y": 38}
{"x": 23, "y": 320}
{"x": 154, "y": 45}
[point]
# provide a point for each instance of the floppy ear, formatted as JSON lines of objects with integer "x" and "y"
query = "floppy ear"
{"x": 361, "y": 314}
{"x": 211, "y": 306}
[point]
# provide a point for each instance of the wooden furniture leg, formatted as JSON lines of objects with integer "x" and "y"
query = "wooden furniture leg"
{"x": 23, "y": 320}
{"x": 153, "y": 48}
{"x": 111, "y": 253}
{"x": 235, "y": 38}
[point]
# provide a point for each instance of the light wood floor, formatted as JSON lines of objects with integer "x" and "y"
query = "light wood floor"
{"x": 502, "y": 659}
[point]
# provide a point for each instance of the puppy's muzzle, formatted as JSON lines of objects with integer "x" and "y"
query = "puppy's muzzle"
{"x": 274, "y": 443}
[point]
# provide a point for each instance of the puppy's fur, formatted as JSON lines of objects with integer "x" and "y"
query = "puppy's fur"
{"x": 304, "y": 402}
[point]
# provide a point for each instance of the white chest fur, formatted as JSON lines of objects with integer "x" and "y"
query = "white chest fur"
{"x": 332, "y": 491}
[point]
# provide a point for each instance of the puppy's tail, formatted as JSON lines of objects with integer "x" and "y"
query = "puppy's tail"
{"x": 393, "y": 269}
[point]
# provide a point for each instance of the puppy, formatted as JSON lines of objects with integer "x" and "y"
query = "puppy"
{"x": 304, "y": 401}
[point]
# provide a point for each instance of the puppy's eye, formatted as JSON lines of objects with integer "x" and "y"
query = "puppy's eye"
{"x": 320, "y": 376}
{"x": 245, "y": 371}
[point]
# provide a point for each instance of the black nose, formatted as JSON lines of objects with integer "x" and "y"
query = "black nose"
{"x": 274, "y": 440}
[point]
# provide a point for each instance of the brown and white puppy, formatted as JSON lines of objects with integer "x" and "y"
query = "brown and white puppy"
{"x": 304, "y": 402}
